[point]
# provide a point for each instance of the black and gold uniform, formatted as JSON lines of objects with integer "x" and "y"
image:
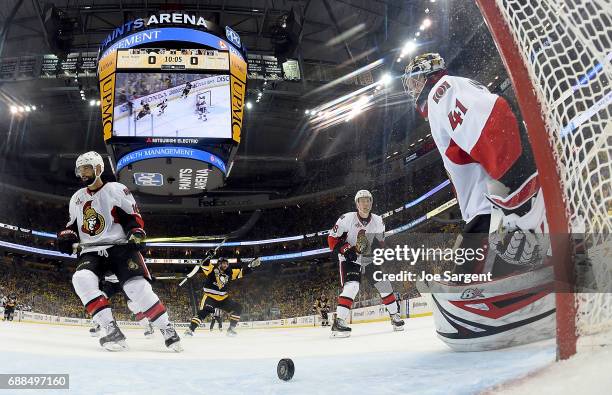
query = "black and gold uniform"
{"x": 9, "y": 308}
{"x": 321, "y": 306}
{"x": 216, "y": 296}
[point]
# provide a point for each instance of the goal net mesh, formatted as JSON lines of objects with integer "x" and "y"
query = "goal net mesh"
{"x": 566, "y": 46}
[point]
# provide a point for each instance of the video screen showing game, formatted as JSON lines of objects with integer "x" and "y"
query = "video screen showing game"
{"x": 172, "y": 105}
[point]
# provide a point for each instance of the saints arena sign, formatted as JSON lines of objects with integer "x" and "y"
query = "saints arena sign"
{"x": 153, "y": 20}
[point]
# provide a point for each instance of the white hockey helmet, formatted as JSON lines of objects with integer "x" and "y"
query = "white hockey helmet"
{"x": 363, "y": 194}
{"x": 418, "y": 70}
{"x": 91, "y": 158}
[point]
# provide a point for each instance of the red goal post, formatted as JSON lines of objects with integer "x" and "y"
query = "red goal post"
{"x": 530, "y": 36}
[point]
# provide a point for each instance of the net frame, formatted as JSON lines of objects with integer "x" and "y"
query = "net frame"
{"x": 547, "y": 47}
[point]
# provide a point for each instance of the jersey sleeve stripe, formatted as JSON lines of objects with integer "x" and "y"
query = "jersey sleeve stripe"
{"x": 499, "y": 144}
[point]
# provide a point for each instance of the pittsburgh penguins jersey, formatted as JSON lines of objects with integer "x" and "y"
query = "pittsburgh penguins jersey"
{"x": 217, "y": 280}
{"x": 321, "y": 304}
{"x": 11, "y": 303}
{"x": 350, "y": 228}
{"x": 104, "y": 215}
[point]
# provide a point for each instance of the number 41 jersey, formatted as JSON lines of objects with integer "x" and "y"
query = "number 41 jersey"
{"x": 473, "y": 130}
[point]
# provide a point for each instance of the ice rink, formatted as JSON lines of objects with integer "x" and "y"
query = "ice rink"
{"x": 375, "y": 360}
{"x": 180, "y": 119}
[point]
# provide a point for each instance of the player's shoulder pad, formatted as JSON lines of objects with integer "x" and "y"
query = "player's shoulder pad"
{"x": 377, "y": 218}
{"x": 76, "y": 195}
{"x": 119, "y": 187}
{"x": 441, "y": 89}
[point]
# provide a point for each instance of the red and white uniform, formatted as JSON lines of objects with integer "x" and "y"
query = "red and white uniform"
{"x": 477, "y": 135}
{"x": 98, "y": 216}
{"x": 349, "y": 226}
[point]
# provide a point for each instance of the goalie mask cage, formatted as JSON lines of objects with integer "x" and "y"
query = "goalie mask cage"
{"x": 557, "y": 54}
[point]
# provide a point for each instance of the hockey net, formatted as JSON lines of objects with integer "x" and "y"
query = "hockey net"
{"x": 558, "y": 54}
{"x": 206, "y": 96}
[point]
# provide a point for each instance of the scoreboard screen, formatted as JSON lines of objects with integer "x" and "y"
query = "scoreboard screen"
{"x": 172, "y": 93}
{"x": 173, "y": 59}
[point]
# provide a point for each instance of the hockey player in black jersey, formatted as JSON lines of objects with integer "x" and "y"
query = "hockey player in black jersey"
{"x": 216, "y": 295}
{"x": 321, "y": 307}
{"x": 186, "y": 90}
{"x": 146, "y": 110}
{"x": 9, "y": 308}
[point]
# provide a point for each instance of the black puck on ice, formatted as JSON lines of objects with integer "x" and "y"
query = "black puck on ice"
{"x": 285, "y": 369}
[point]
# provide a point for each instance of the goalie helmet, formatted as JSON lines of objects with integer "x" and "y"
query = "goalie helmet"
{"x": 418, "y": 71}
{"x": 92, "y": 159}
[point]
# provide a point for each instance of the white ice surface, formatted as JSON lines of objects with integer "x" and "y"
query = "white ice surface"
{"x": 374, "y": 360}
{"x": 180, "y": 118}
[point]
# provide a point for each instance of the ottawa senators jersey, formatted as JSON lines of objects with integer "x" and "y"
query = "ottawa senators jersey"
{"x": 350, "y": 228}
{"x": 217, "y": 280}
{"x": 104, "y": 215}
{"x": 478, "y": 137}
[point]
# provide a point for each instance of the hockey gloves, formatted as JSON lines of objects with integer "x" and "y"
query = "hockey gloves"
{"x": 136, "y": 238}
{"x": 65, "y": 239}
{"x": 349, "y": 252}
{"x": 255, "y": 263}
{"x": 519, "y": 239}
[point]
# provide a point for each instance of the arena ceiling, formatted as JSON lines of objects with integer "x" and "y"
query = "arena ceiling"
{"x": 281, "y": 141}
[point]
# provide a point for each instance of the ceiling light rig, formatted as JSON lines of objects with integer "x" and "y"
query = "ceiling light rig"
{"x": 22, "y": 109}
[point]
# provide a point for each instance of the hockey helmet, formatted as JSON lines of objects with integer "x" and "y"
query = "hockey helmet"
{"x": 92, "y": 159}
{"x": 418, "y": 70}
{"x": 363, "y": 194}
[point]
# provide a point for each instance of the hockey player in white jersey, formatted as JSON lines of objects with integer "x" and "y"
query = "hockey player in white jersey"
{"x": 352, "y": 239}
{"x": 105, "y": 220}
{"x": 161, "y": 107}
{"x": 489, "y": 161}
{"x": 201, "y": 109}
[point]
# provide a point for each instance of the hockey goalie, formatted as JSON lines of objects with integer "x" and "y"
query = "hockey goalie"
{"x": 489, "y": 161}
{"x": 201, "y": 107}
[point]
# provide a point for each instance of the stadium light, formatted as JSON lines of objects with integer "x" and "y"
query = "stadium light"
{"x": 21, "y": 109}
{"x": 426, "y": 22}
{"x": 92, "y": 102}
{"x": 28, "y": 109}
{"x": 14, "y": 109}
{"x": 417, "y": 34}
{"x": 97, "y": 102}
{"x": 385, "y": 79}
{"x": 307, "y": 112}
{"x": 409, "y": 48}
{"x": 249, "y": 105}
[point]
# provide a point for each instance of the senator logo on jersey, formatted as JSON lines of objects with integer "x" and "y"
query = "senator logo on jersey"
{"x": 93, "y": 223}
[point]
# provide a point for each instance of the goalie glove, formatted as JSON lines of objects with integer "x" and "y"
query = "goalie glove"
{"x": 520, "y": 238}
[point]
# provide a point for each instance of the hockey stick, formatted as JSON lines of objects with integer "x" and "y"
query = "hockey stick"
{"x": 209, "y": 255}
{"x": 238, "y": 233}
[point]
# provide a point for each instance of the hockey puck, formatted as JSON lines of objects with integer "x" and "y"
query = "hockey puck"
{"x": 285, "y": 369}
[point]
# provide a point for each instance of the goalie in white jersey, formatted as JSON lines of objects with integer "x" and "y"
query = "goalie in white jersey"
{"x": 489, "y": 161}
{"x": 352, "y": 239}
{"x": 105, "y": 220}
